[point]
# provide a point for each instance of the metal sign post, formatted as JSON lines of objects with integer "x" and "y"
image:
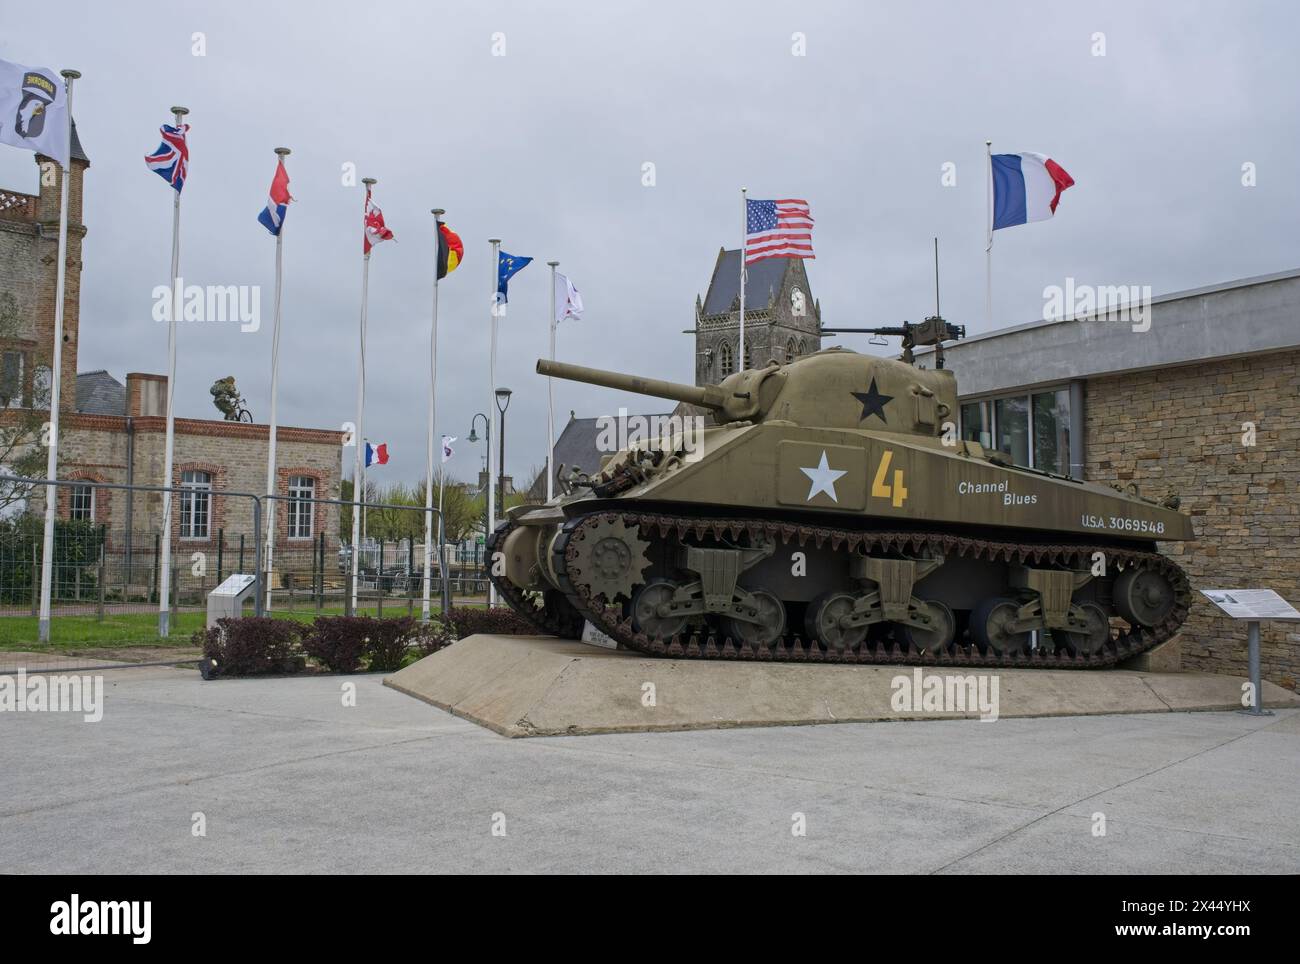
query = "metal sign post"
{"x": 1252, "y": 605}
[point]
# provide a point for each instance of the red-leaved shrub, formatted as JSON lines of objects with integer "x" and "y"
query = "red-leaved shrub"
{"x": 252, "y": 645}
{"x": 337, "y": 642}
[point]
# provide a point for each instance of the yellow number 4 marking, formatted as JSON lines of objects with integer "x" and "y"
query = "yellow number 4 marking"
{"x": 881, "y": 489}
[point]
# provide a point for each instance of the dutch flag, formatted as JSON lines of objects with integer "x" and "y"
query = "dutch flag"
{"x": 277, "y": 203}
{"x": 1026, "y": 187}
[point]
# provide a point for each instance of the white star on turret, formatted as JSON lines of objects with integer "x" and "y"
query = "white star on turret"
{"x": 823, "y": 479}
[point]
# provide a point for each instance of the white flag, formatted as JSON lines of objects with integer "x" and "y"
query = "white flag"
{"x": 568, "y": 303}
{"x": 447, "y": 452}
{"x": 34, "y": 110}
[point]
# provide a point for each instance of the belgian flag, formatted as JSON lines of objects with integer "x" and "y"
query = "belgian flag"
{"x": 450, "y": 250}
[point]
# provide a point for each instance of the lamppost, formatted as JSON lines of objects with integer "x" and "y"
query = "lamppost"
{"x": 503, "y": 402}
{"x": 473, "y": 439}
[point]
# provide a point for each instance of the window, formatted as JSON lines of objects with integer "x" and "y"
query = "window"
{"x": 1052, "y": 431}
{"x": 726, "y": 361}
{"x": 301, "y": 487}
{"x": 196, "y": 505}
{"x": 977, "y": 423}
{"x": 11, "y": 379}
{"x": 1011, "y": 417}
{"x": 1033, "y": 430}
{"x": 791, "y": 350}
{"x": 82, "y": 506}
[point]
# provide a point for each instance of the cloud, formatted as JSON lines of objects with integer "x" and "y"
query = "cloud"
{"x": 543, "y": 148}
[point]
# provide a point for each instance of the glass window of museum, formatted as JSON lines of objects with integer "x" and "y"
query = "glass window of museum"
{"x": 1031, "y": 428}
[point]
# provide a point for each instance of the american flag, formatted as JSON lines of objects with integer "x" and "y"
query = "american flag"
{"x": 777, "y": 229}
{"x": 171, "y": 161}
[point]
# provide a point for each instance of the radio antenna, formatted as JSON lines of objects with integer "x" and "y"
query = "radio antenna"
{"x": 937, "y": 312}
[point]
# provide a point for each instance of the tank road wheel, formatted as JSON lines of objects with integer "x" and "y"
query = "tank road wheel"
{"x": 1091, "y": 642}
{"x": 1143, "y": 597}
{"x": 822, "y": 621}
{"x": 645, "y": 610}
{"x": 611, "y": 559}
{"x": 770, "y": 625}
{"x": 937, "y": 638}
{"x": 988, "y": 627}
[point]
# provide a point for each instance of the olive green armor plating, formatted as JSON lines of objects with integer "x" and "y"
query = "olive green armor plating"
{"x": 828, "y": 506}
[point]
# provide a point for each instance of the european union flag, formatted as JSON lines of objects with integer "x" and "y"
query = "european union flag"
{"x": 508, "y": 265}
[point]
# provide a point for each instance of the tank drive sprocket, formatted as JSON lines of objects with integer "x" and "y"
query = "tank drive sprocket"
{"x": 609, "y": 559}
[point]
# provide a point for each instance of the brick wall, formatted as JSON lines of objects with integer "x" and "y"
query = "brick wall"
{"x": 29, "y": 246}
{"x": 1180, "y": 430}
{"x": 233, "y": 453}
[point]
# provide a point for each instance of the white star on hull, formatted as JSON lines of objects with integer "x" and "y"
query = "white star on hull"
{"x": 823, "y": 479}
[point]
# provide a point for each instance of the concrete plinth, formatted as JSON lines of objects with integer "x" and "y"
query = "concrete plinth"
{"x": 1165, "y": 658}
{"x": 541, "y": 686}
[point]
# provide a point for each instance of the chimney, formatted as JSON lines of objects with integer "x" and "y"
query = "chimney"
{"x": 146, "y": 394}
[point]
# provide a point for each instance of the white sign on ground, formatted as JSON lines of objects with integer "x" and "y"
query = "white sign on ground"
{"x": 590, "y": 634}
{"x": 1251, "y": 603}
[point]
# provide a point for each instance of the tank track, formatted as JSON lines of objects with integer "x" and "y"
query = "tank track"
{"x": 555, "y": 617}
{"x": 610, "y": 620}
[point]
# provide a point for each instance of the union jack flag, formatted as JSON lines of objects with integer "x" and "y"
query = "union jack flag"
{"x": 171, "y": 161}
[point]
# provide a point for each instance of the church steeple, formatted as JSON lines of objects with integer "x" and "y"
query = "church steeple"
{"x": 782, "y": 319}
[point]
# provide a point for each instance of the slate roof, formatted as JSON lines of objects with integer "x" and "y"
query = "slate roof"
{"x": 99, "y": 393}
{"x": 78, "y": 153}
{"x": 761, "y": 288}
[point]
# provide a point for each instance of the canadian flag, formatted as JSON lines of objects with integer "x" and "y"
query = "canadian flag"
{"x": 375, "y": 229}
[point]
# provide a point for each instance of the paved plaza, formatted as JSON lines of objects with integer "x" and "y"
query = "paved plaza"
{"x": 289, "y": 779}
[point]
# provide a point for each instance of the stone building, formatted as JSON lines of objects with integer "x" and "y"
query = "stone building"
{"x": 115, "y": 432}
{"x": 782, "y": 320}
{"x": 1204, "y": 404}
{"x": 29, "y": 252}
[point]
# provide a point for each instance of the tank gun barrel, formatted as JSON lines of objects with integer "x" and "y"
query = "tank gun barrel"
{"x": 707, "y": 396}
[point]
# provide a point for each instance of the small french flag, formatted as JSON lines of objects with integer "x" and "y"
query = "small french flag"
{"x": 376, "y": 454}
{"x": 277, "y": 202}
{"x": 1026, "y": 187}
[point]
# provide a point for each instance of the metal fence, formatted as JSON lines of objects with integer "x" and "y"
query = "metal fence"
{"x": 107, "y": 583}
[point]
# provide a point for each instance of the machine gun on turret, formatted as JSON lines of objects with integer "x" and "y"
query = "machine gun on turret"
{"x": 933, "y": 331}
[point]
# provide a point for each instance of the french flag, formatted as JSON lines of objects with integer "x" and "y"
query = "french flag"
{"x": 1026, "y": 187}
{"x": 376, "y": 454}
{"x": 277, "y": 202}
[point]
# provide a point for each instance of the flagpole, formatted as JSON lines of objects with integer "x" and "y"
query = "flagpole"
{"x": 433, "y": 381}
{"x": 358, "y": 482}
{"x": 550, "y": 400}
{"x": 988, "y": 246}
{"x": 492, "y": 383}
{"x": 744, "y": 248}
{"x": 269, "y": 514}
{"x": 52, "y": 455}
{"x": 165, "y": 570}
{"x": 445, "y": 582}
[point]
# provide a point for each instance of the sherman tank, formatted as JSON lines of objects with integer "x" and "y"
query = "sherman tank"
{"x": 827, "y": 509}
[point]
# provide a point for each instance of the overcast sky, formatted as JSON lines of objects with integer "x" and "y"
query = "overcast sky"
{"x": 544, "y": 148}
